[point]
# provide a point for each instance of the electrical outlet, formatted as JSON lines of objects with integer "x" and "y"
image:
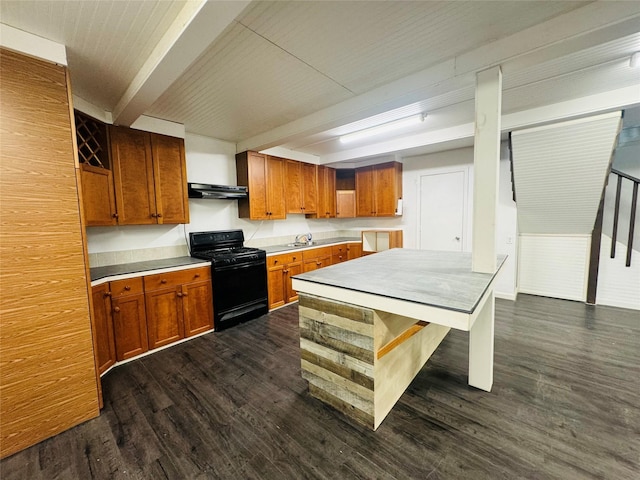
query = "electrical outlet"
{"x": 509, "y": 240}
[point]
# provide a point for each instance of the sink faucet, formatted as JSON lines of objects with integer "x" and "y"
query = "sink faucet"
{"x": 303, "y": 238}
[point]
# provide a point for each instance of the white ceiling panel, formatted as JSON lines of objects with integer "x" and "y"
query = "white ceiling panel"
{"x": 362, "y": 45}
{"x": 245, "y": 85}
{"x": 107, "y": 41}
{"x": 297, "y": 74}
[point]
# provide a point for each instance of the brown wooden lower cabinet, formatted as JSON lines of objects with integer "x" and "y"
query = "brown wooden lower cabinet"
{"x": 103, "y": 322}
{"x": 316, "y": 258}
{"x": 339, "y": 253}
{"x": 280, "y": 269}
{"x": 135, "y": 315}
{"x": 129, "y": 318}
{"x": 197, "y": 305}
{"x": 165, "y": 324}
{"x": 354, "y": 250}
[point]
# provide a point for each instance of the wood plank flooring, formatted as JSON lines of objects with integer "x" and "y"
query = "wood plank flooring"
{"x": 232, "y": 405}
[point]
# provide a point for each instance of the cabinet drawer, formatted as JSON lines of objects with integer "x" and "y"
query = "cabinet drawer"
{"x": 339, "y": 249}
{"x": 316, "y": 253}
{"x": 128, "y": 286}
{"x": 283, "y": 259}
{"x": 171, "y": 279}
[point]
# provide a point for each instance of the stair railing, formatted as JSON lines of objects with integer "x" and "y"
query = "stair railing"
{"x": 632, "y": 218}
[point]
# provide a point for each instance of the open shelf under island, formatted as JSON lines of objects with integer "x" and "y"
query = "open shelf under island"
{"x": 368, "y": 326}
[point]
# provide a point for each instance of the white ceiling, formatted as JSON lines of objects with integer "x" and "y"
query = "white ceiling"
{"x": 296, "y": 75}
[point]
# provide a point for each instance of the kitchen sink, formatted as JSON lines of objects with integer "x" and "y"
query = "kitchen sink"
{"x": 300, "y": 244}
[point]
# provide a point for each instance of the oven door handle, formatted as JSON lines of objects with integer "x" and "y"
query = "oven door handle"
{"x": 238, "y": 267}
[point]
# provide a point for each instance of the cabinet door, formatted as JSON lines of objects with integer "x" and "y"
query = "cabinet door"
{"x": 275, "y": 188}
{"x": 97, "y": 196}
{"x": 275, "y": 284}
{"x": 386, "y": 189}
{"x": 170, "y": 179}
{"x": 309, "y": 188}
{"x": 164, "y": 316}
{"x": 103, "y": 323}
{"x": 197, "y": 306}
{"x": 364, "y": 192}
{"x": 311, "y": 265}
{"x": 326, "y": 192}
{"x": 294, "y": 183}
{"x": 130, "y": 325}
{"x": 291, "y": 269}
{"x": 345, "y": 203}
{"x": 354, "y": 250}
{"x": 133, "y": 176}
{"x": 257, "y": 183}
{"x": 330, "y": 192}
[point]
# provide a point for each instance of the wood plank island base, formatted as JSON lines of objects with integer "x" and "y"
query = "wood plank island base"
{"x": 367, "y": 327}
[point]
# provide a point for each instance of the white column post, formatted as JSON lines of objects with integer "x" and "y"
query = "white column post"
{"x": 486, "y": 168}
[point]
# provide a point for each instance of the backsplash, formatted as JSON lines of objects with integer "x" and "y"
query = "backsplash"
{"x": 104, "y": 259}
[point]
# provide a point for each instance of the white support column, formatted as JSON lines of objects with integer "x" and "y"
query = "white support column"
{"x": 481, "y": 347}
{"x": 486, "y": 171}
{"x": 486, "y": 167}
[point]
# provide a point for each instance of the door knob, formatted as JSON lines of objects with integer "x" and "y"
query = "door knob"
{"x": 457, "y": 239}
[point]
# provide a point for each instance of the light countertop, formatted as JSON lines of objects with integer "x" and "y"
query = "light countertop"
{"x": 433, "y": 278}
{"x": 128, "y": 270}
{"x": 273, "y": 249}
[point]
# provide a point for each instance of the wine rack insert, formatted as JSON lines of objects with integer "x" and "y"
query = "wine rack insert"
{"x": 91, "y": 135}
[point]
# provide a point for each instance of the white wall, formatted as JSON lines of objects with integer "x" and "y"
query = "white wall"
{"x": 462, "y": 160}
{"x": 618, "y": 285}
{"x": 554, "y": 265}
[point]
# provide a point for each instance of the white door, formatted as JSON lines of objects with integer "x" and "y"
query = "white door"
{"x": 442, "y": 200}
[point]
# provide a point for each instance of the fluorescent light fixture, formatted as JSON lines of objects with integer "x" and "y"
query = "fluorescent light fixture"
{"x": 384, "y": 128}
{"x": 634, "y": 62}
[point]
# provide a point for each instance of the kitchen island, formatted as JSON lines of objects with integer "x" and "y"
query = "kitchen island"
{"x": 368, "y": 326}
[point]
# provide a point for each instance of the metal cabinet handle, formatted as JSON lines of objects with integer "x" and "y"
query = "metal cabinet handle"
{"x": 180, "y": 294}
{"x": 154, "y": 215}
{"x": 116, "y": 309}
{"x": 107, "y": 294}
{"x": 127, "y": 287}
{"x": 159, "y": 215}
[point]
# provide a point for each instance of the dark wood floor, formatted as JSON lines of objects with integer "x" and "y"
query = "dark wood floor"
{"x": 565, "y": 404}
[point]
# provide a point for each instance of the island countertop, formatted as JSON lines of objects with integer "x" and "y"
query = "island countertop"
{"x": 433, "y": 278}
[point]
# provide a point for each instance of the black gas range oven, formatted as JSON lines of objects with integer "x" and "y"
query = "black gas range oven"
{"x": 239, "y": 275}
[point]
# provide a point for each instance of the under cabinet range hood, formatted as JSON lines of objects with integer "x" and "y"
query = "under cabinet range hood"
{"x": 205, "y": 190}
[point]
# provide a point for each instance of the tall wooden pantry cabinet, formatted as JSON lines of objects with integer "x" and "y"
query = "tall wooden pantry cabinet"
{"x": 48, "y": 379}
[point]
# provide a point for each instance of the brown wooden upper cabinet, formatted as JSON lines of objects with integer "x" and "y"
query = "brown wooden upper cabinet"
{"x": 150, "y": 179}
{"x": 326, "y": 193}
{"x": 378, "y": 189}
{"x": 264, "y": 176}
{"x": 301, "y": 190}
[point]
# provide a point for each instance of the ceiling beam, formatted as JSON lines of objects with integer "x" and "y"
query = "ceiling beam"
{"x": 197, "y": 25}
{"x": 575, "y": 108}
